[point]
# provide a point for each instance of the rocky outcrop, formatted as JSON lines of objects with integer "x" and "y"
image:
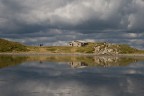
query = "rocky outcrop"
{"x": 106, "y": 48}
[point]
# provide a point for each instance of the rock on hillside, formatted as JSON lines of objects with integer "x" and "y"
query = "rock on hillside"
{"x": 109, "y": 49}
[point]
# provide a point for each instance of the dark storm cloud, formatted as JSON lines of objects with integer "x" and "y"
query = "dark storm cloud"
{"x": 71, "y": 14}
{"x": 32, "y": 21}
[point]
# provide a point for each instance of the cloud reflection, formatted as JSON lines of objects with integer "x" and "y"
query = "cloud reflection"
{"x": 53, "y": 79}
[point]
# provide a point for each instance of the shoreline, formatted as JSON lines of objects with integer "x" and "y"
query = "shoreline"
{"x": 72, "y": 54}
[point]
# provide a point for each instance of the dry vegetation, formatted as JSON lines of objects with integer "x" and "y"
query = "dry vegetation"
{"x": 8, "y": 46}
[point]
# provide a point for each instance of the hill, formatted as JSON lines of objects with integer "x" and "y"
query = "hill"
{"x": 9, "y": 46}
{"x": 99, "y": 48}
{"x": 109, "y": 48}
{"x": 96, "y": 48}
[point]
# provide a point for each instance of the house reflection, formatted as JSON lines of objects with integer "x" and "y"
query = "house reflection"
{"x": 78, "y": 64}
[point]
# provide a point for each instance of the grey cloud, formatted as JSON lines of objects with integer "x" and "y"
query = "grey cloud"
{"x": 74, "y": 19}
{"x": 97, "y": 14}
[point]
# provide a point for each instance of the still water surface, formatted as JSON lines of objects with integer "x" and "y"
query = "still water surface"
{"x": 71, "y": 76}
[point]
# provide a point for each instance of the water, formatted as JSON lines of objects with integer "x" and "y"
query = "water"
{"x": 71, "y": 76}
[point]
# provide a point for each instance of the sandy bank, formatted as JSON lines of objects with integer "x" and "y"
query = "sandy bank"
{"x": 72, "y": 54}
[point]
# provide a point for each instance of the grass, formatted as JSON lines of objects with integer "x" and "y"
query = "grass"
{"x": 8, "y": 46}
{"x": 61, "y": 49}
{"x": 86, "y": 49}
{"x": 126, "y": 49}
{"x": 122, "y": 49}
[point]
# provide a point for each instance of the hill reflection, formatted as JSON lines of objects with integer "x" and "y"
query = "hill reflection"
{"x": 8, "y": 60}
{"x": 73, "y": 61}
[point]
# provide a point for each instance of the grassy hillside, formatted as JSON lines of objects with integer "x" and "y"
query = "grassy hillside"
{"x": 9, "y": 46}
{"x": 119, "y": 48}
{"x": 126, "y": 49}
{"x": 63, "y": 49}
{"x": 89, "y": 48}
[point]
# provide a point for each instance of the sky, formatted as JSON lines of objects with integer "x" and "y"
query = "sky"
{"x": 56, "y": 22}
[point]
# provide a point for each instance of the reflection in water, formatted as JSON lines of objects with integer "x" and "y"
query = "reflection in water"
{"x": 74, "y": 61}
{"x": 7, "y": 60}
{"x": 78, "y": 64}
{"x": 107, "y": 61}
{"x": 52, "y": 76}
{"x": 113, "y": 61}
{"x": 52, "y": 79}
